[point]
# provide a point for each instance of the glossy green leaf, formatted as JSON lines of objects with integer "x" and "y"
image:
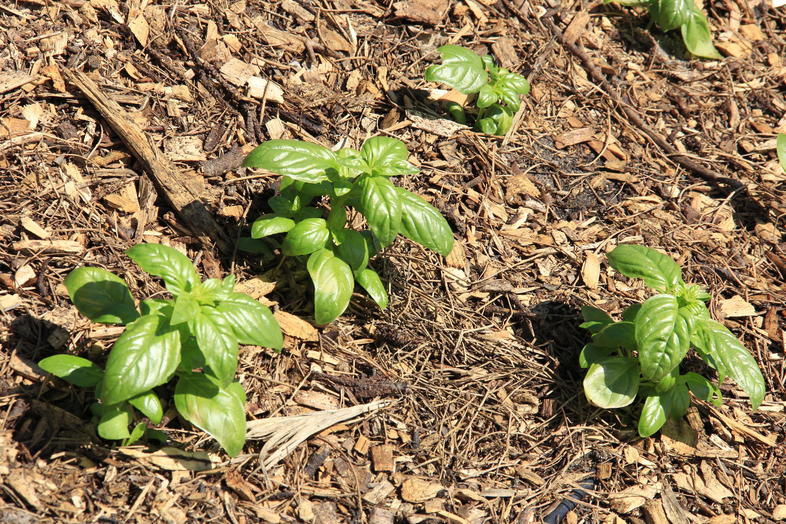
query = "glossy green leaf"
{"x": 307, "y": 236}
{"x": 149, "y": 405}
{"x": 657, "y": 270}
{"x": 252, "y": 322}
{"x": 267, "y": 225}
{"x": 592, "y": 354}
{"x": 616, "y": 334}
{"x": 702, "y": 388}
{"x": 101, "y": 296}
{"x": 185, "y": 309}
{"x": 496, "y": 120}
{"x": 380, "y": 203}
{"x": 629, "y": 315}
{"x": 168, "y": 263}
{"x": 612, "y": 383}
{"x": 137, "y": 433}
{"x": 663, "y": 333}
{"x": 74, "y": 370}
{"x": 424, "y": 224}
{"x": 780, "y": 147}
{"x": 671, "y": 14}
{"x": 730, "y": 358}
{"x": 353, "y": 250}
{"x": 370, "y": 281}
{"x": 218, "y": 410}
{"x": 296, "y": 159}
{"x": 653, "y": 414}
{"x": 160, "y": 306}
{"x": 697, "y": 37}
{"x": 217, "y": 342}
{"x": 513, "y": 83}
{"x": 461, "y": 69}
{"x": 114, "y": 421}
{"x": 283, "y": 206}
{"x": 333, "y": 285}
{"x": 386, "y": 156}
{"x": 143, "y": 357}
{"x": 486, "y": 96}
{"x": 594, "y": 319}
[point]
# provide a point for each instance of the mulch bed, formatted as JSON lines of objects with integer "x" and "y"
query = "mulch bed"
{"x": 126, "y": 122}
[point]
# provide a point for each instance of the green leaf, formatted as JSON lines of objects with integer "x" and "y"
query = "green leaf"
{"x": 353, "y": 250}
{"x": 370, "y": 281}
{"x": 252, "y": 322}
{"x": 296, "y": 159}
{"x": 267, "y": 225}
{"x": 333, "y": 285}
{"x": 496, "y": 120}
{"x": 137, "y": 433}
{"x": 424, "y": 224}
{"x": 594, "y": 319}
{"x": 592, "y": 354}
{"x": 144, "y": 356}
{"x": 513, "y": 83}
{"x": 629, "y": 315}
{"x": 218, "y": 410}
{"x": 461, "y": 69}
{"x": 612, "y": 383}
{"x": 74, "y": 370}
{"x": 381, "y": 205}
{"x": 307, "y": 236}
{"x": 653, "y": 414}
{"x": 702, "y": 388}
{"x": 256, "y": 246}
{"x": 114, "y": 421}
{"x": 191, "y": 357}
{"x": 283, "y": 206}
{"x": 671, "y": 14}
{"x": 168, "y": 263}
{"x": 101, "y": 296}
{"x": 697, "y": 37}
{"x": 663, "y": 333}
{"x": 780, "y": 147}
{"x": 217, "y": 342}
{"x": 487, "y": 96}
{"x": 386, "y": 156}
{"x": 185, "y": 309}
{"x": 730, "y": 358}
{"x": 160, "y": 306}
{"x": 657, "y": 270}
{"x": 617, "y": 334}
{"x": 150, "y": 406}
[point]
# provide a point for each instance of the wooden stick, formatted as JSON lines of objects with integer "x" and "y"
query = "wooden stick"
{"x": 182, "y": 192}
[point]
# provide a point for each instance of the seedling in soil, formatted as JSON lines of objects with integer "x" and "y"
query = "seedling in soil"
{"x": 497, "y": 89}
{"x": 683, "y": 15}
{"x": 337, "y": 256}
{"x": 192, "y": 337}
{"x": 640, "y": 355}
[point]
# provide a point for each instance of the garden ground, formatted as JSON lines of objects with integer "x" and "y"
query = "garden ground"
{"x": 125, "y": 122}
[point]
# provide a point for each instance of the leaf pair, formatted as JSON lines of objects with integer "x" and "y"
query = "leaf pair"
{"x": 337, "y": 255}
{"x": 200, "y": 327}
{"x": 641, "y": 354}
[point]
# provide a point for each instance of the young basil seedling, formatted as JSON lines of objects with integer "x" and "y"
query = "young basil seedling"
{"x": 337, "y": 256}
{"x": 640, "y": 355}
{"x": 192, "y": 337}
{"x": 498, "y": 90}
{"x": 683, "y": 15}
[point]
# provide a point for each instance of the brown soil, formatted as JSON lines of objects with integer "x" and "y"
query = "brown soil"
{"x": 622, "y": 139}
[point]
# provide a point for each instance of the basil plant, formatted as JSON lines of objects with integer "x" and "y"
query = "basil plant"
{"x": 498, "y": 90}
{"x": 192, "y": 338}
{"x": 640, "y": 355}
{"x": 336, "y": 255}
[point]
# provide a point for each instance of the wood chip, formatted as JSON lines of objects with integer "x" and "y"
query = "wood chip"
{"x": 590, "y": 270}
{"x": 24, "y": 276}
{"x": 173, "y": 459}
{"x": 419, "y": 490}
{"x": 296, "y": 327}
{"x": 430, "y": 12}
{"x": 379, "y": 493}
{"x": 10, "y": 81}
{"x": 362, "y": 445}
{"x": 9, "y": 302}
{"x": 382, "y": 457}
{"x": 574, "y": 136}
{"x": 185, "y": 149}
{"x": 576, "y": 28}
{"x": 633, "y": 497}
{"x": 263, "y": 89}
{"x": 48, "y": 246}
{"x": 238, "y": 72}
{"x": 737, "y": 306}
{"x": 34, "y": 228}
